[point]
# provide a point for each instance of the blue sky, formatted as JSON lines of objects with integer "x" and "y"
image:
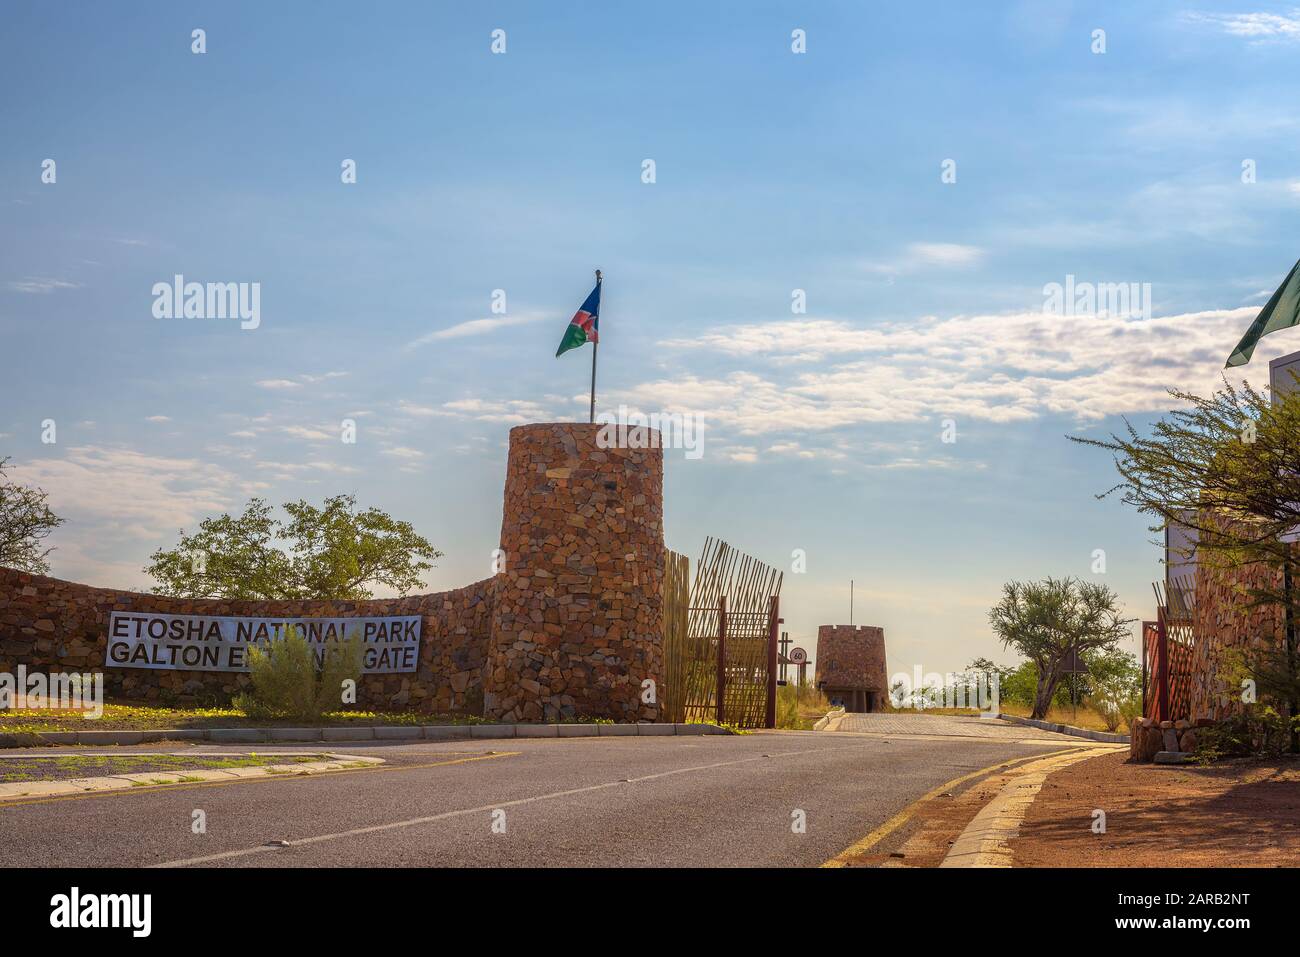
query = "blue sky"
{"x": 521, "y": 171}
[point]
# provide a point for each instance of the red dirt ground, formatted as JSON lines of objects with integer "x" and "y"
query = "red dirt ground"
{"x": 1237, "y": 814}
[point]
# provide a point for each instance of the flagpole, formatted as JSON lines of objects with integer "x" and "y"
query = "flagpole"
{"x": 594, "y": 346}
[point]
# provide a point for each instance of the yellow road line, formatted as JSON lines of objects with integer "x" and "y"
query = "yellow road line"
{"x": 121, "y": 792}
{"x": 902, "y": 817}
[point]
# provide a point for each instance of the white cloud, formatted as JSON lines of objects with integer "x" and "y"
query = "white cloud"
{"x": 476, "y": 327}
{"x": 308, "y": 433}
{"x": 40, "y": 285}
{"x": 118, "y": 495}
{"x": 424, "y": 411}
{"x": 158, "y": 418}
{"x": 923, "y": 255}
{"x": 299, "y": 381}
{"x": 995, "y": 368}
{"x": 403, "y": 452}
{"x": 1256, "y": 27}
{"x": 945, "y": 254}
{"x": 310, "y": 466}
{"x": 512, "y": 412}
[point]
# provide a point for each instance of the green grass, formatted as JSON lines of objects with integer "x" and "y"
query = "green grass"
{"x": 139, "y": 716}
{"x": 1088, "y": 718}
{"x": 798, "y": 709}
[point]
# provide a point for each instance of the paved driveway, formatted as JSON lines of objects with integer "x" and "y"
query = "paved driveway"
{"x": 942, "y": 725}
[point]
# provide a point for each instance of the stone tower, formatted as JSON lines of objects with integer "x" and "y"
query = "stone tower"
{"x": 578, "y": 619}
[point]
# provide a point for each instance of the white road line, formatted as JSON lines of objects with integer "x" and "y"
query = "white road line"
{"x": 484, "y": 809}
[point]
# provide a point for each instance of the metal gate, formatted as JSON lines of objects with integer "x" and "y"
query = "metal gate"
{"x": 724, "y": 669}
{"x": 1167, "y": 647}
{"x": 677, "y": 600}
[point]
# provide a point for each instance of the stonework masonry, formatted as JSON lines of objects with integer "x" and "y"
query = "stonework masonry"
{"x": 570, "y": 628}
{"x": 577, "y": 624}
{"x": 851, "y": 666}
{"x": 55, "y": 626}
{"x": 1225, "y": 623}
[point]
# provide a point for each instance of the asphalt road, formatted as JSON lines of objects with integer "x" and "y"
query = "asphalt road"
{"x": 671, "y": 801}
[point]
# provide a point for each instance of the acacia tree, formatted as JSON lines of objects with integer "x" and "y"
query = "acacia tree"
{"x": 25, "y": 522}
{"x": 1055, "y": 619}
{"x": 332, "y": 552}
{"x": 1228, "y": 468}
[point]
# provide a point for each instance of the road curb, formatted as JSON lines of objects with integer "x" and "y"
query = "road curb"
{"x": 1107, "y": 737}
{"x": 382, "y": 732}
{"x": 146, "y": 779}
{"x": 834, "y": 716}
{"x": 984, "y": 842}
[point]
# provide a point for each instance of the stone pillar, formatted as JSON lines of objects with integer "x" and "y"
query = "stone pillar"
{"x": 851, "y": 658}
{"x": 578, "y": 619}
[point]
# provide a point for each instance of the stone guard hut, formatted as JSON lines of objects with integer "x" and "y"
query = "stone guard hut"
{"x": 851, "y": 666}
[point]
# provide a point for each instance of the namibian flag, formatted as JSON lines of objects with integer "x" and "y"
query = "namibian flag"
{"x": 585, "y": 324}
{"x": 1280, "y": 312}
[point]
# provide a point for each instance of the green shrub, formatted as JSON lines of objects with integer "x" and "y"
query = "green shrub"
{"x": 1130, "y": 709}
{"x": 1258, "y": 731}
{"x": 287, "y": 681}
{"x": 799, "y": 707}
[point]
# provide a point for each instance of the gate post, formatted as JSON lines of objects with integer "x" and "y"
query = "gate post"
{"x": 722, "y": 654}
{"x": 773, "y": 624}
{"x": 1161, "y": 668}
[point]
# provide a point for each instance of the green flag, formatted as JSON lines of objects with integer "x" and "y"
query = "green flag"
{"x": 584, "y": 327}
{"x": 1281, "y": 312}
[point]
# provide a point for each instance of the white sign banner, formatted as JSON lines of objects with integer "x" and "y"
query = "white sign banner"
{"x": 217, "y": 643}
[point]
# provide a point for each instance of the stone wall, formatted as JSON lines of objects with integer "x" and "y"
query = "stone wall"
{"x": 1148, "y": 737}
{"x": 1223, "y": 622}
{"x": 852, "y": 657}
{"x": 578, "y": 615}
{"x": 570, "y": 628}
{"x": 52, "y": 625}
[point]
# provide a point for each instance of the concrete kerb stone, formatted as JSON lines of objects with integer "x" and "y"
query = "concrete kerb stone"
{"x": 239, "y": 735}
{"x": 445, "y": 732}
{"x": 57, "y": 737}
{"x": 537, "y": 731}
{"x": 296, "y": 734}
{"x": 397, "y": 732}
{"x": 834, "y": 716}
{"x": 428, "y": 732}
{"x": 984, "y": 842}
{"x": 699, "y": 729}
{"x": 616, "y": 730}
{"x": 347, "y": 734}
{"x": 175, "y": 734}
{"x": 110, "y": 737}
{"x": 139, "y": 779}
{"x": 491, "y": 730}
{"x": 1106, "y": 736}
{"x": 656, "y": 729}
